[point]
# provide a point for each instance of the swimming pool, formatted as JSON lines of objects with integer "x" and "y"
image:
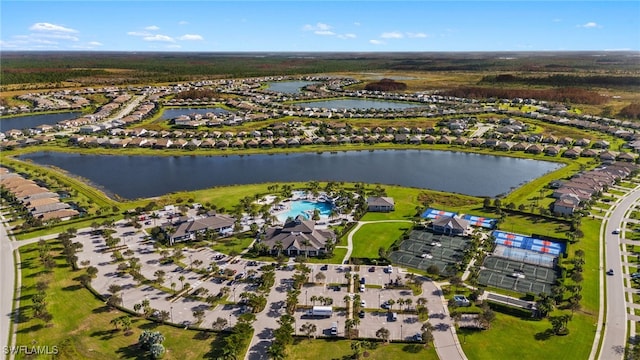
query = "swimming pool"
{"x": 306, "y": 208}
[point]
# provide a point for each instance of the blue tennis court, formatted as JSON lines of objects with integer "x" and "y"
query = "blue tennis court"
{"x": 435, "y": 213}
{"x": 478, "y": 221}
{"x": 528, "y": 243}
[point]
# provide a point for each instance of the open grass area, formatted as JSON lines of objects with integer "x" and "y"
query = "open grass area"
{"x": 234, "y": 244}
{"x": 338, "y": 255}
{"x": 81, "y": 323}
{"x": 532, "y": 224}
{"x": 371, "y": 237}
{"x": 514, "y": 338}
{"x": 321, "y": 349}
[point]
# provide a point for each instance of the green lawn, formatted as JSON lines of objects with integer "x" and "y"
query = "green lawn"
{"x": 234, "y": 244}
{"x": 321, "y": 349}
{"x": 85, "y": 327}
{"x": 371, "y": 237}
{"x": 528, "y": 224}
{"x": 514, "y": 338}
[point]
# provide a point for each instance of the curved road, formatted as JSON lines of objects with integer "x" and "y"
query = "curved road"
{"x": 614, "y": 336}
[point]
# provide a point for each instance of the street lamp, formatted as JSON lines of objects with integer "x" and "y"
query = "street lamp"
{"x": 171, "y": 313}
{"x": 234, "y": 294}
{"x": 400, "y": 331}
{"x": 305, "y": 297}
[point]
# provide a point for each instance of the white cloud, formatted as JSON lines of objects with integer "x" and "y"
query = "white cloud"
{"x": 183, "y": 22}
{"x": 376, "y": 42}
{"x": 51, "y": 27}
{"x": 324, "y": 32}
{"x": 590, "y": 25}
{"x": 139, "y": 33}
{"x": 557, "y": 20}
{"x": 317, "y": 27}
{"x": 356, "y": 23}
{"x": 347, "y": 36}
{"x": 158, "y": 37}
{"x": 416, "y": 35}
{"x": 95, "y": 43}
{"x": 173, "y": 46}
{"x": 392, "y": 35}
{"x": 191, "y": 37}
{"x": 152, "y": 28}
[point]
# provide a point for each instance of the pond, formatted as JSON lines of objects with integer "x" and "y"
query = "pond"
{"x": 146, "y": 176}
{"x": 169, "y": 114}
{"x": 31, "y": 121}
{"x": 288, "y": 87}
{"x": 358, "y": 104}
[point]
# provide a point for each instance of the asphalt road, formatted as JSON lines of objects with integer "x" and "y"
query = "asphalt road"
{"x": 615, "y": 327}
{"x": 7, "y": 276}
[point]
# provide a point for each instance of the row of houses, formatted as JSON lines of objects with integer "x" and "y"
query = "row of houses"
{"x": 41, "y": 203}
{"x": 571, "y": 195}
{"x": 283, "y": 142}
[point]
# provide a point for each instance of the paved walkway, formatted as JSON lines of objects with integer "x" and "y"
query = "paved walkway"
{"x": 445, "y": 339}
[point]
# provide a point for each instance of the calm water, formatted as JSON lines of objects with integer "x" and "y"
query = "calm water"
{"x": 288, "y": 87}
{"x": 306, "y": 208}
{"x": 358, "y": 104}
{"x": 145, "y": 176}
{"x": 169, "y": 114}
{"x": 31, "y": 121}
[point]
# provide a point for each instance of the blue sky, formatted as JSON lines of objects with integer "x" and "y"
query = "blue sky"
{"x": 320, "y": 25}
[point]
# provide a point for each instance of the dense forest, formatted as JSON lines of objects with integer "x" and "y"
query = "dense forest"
{"x": 564, "y": 95}
{"x": 564, "y": 80}
{"x": 140, "y": 67}
{"x": 386, "y": 85}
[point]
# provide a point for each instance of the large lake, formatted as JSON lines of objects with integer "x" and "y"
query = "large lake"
{"x": 146, "y": 176}
{"x": 170, "y": 114}
{"x": 288, "y": 87}
{"x": 358, "y": 104}
{"x": 31, "y": 121}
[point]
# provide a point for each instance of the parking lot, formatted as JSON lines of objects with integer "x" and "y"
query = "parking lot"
{"x": 330, "y": 289}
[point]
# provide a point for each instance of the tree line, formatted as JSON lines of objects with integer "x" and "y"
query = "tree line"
{"x": 562, "y": 95}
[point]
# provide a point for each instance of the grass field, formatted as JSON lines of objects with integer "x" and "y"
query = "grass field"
{"x": 371, "y": 237}
{"x": 514, "y": 338}
{"x": 321, "y": 349}
{"x": 81, "y": 322}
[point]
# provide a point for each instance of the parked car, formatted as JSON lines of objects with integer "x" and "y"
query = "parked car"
{"x": 417, "y": 337}
{"x": 392, "y": 317}
{"x": 324, "y": 267}
{"x": 361, "y": 314}
{"x": 372, "y": 269}
{"x": 610, "y": 272}
{"x": 616, "y": 231}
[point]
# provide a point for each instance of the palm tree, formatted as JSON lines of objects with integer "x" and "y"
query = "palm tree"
{"x": 181, "y": 278}
{"x": 391, "y": 302}
{"x": 401, "y": 303}
{"x": 278, "y": 246}
{"x": 320, "y": 277}
{"x": 159, "y": 274}
{"x": 308, "y": 329}
{"x": 383, "y": 334}
{"x": 154, "y": 216}
{"x": 408, "y": 302}
{"x": 313, "y": 299}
